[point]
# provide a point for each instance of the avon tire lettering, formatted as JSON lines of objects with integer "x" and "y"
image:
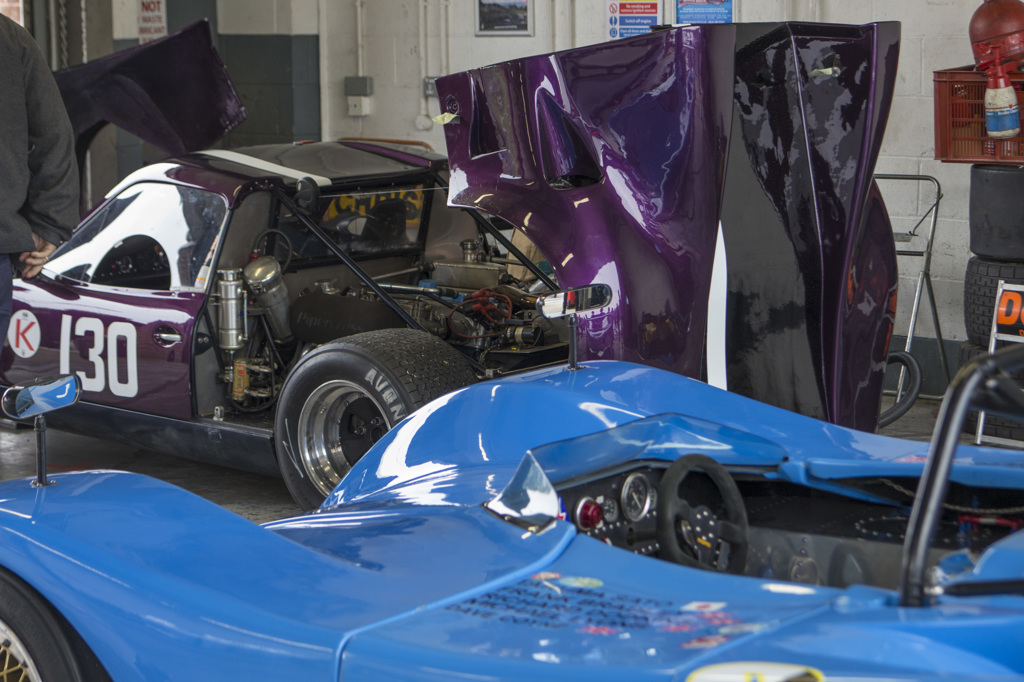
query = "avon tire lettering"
{"x": 388, "y": 394}
{"x": 102, "y": 354}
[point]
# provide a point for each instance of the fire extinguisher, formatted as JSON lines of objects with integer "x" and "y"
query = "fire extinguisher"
{"x": 1002, "y": 113}
{"x": 997, "y": 36}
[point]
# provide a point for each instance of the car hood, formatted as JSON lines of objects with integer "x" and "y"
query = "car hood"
{"x": 600, "y": 613}
{"x": 174, "y": 93}
{"x": 134, "y": 562}
{"x": 621, "y": 160}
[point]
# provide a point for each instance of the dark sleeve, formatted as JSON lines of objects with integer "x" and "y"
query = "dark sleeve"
{"x": 52, "y": 204}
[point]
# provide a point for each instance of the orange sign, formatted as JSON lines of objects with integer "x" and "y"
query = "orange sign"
{"x": 1008, "y": 312}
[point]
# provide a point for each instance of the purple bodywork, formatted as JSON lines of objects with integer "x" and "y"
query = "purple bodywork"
{"x": 174, "y": 93}
{"x": 619, "y": 160}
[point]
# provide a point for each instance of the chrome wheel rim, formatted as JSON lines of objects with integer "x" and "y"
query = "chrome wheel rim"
{"x": 16, "y": 664}
{"x": 337, "y": 425}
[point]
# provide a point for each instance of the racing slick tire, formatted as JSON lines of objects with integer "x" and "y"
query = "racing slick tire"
{"x": 996, "y": 226}
{"x": 980, "y": 284}
{"x": 36, "y": 643}
{"x": 342, "y": 397}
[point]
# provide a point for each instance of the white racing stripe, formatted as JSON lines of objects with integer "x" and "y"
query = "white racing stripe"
{"x": 717, "y": 299}
{"x": 260, "y": 164}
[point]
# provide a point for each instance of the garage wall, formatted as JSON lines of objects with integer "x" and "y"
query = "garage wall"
{"x": 271, "y": 49}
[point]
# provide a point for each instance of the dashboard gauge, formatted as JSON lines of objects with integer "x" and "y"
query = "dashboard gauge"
{"x": 610, "y": 508}
{"x": 636, "y": 496}
{"x": 588, "y": 513}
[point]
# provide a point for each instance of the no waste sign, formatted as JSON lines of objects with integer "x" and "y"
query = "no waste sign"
{"x": 152, "y": 20}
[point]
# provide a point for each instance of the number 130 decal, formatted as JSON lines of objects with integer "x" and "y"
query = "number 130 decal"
{"x": 103, "y": 343}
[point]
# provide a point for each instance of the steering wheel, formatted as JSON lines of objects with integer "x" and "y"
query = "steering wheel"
{"x": 695, "y": 535}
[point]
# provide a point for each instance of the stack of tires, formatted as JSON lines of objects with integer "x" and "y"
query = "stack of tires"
{"x": 997, "y": 242}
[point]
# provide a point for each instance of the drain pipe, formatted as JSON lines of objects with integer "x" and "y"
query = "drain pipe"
{"x": 572, "y": 24}
{"x": 359, "y": 37}
{"x": 423, "y": 121}
{"x": 446, "y": 26}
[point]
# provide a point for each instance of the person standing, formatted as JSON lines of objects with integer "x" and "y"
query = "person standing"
{"x": 38, "y": 170}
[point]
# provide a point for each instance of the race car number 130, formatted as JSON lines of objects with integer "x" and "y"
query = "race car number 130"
{"x": 103, "y": 344}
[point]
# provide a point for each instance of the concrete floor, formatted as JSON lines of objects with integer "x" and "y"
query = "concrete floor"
{"x": 258, "y": 498}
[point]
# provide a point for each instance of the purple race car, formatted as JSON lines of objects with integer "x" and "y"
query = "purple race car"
{"x": 323, "y": 291}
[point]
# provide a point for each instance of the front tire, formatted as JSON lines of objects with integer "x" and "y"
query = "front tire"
{"x": 36, "y": 643}
{"x": 345, "y": 395}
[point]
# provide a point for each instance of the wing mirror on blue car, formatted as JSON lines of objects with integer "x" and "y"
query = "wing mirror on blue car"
{"x": 32, "y": 400}
{"x": 577, "y": 300}
{"x": 40, "y": 396}
{"x": 569, "y": 303}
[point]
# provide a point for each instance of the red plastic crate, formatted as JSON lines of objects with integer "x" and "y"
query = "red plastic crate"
{"x": 960, "y": 119}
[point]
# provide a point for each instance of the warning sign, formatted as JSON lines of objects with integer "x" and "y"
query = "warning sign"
{"x": 627, "y": 18}
{"x": 152, "y": 20}
{"x": 23, "y": 334}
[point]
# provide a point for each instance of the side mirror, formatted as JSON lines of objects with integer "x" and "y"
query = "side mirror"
{"x": 572, "y": 301}
{"x": 40, "y": 396}
{"x": 34, "y": 399}
{"x": 569, "y": 302}
{"x": 307, "y": 195}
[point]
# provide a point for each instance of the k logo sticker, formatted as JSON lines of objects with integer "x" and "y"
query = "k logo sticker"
{"x": 23, "y": 334}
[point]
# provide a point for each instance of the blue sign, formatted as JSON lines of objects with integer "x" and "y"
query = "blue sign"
{"x": 703, "y": 11}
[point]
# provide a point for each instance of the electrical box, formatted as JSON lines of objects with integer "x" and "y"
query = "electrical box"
{"x": 358, "y": 86}
{"x": 358, "y": 106}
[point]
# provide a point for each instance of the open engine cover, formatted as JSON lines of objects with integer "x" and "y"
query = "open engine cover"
{"x": 612, "y": 158}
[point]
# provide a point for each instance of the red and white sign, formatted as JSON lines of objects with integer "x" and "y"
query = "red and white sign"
{"x": 626, "y": 8}
{"x": 23, "y": 334}
{"x": 152, "y": 20}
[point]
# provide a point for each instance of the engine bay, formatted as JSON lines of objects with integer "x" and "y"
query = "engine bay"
{"x": 283, "y": 290}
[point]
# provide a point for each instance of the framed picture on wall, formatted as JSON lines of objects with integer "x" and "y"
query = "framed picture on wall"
{"x": 504, "y": 17}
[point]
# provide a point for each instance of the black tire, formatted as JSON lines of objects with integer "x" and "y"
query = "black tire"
{"x": 996, "y": 221}
{"x": 34, "y": 635}
{"x": 980, "y": 285}
{"x": 995, "y": 425}
{"x": 345, "y": 395}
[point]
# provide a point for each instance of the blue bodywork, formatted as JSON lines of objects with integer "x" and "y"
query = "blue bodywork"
{"x": 404, "y": 574}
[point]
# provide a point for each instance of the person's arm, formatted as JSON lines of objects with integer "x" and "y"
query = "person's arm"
{"x": 51, "y": 207}
{"x": 35, "y": 260}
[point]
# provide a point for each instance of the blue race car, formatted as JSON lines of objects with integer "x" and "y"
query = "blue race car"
{"x": 646, "y": 527}
{"x": 607, "y": 519}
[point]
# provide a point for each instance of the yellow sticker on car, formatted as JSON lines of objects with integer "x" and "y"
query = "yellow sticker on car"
{"x": 756, "y": 671}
